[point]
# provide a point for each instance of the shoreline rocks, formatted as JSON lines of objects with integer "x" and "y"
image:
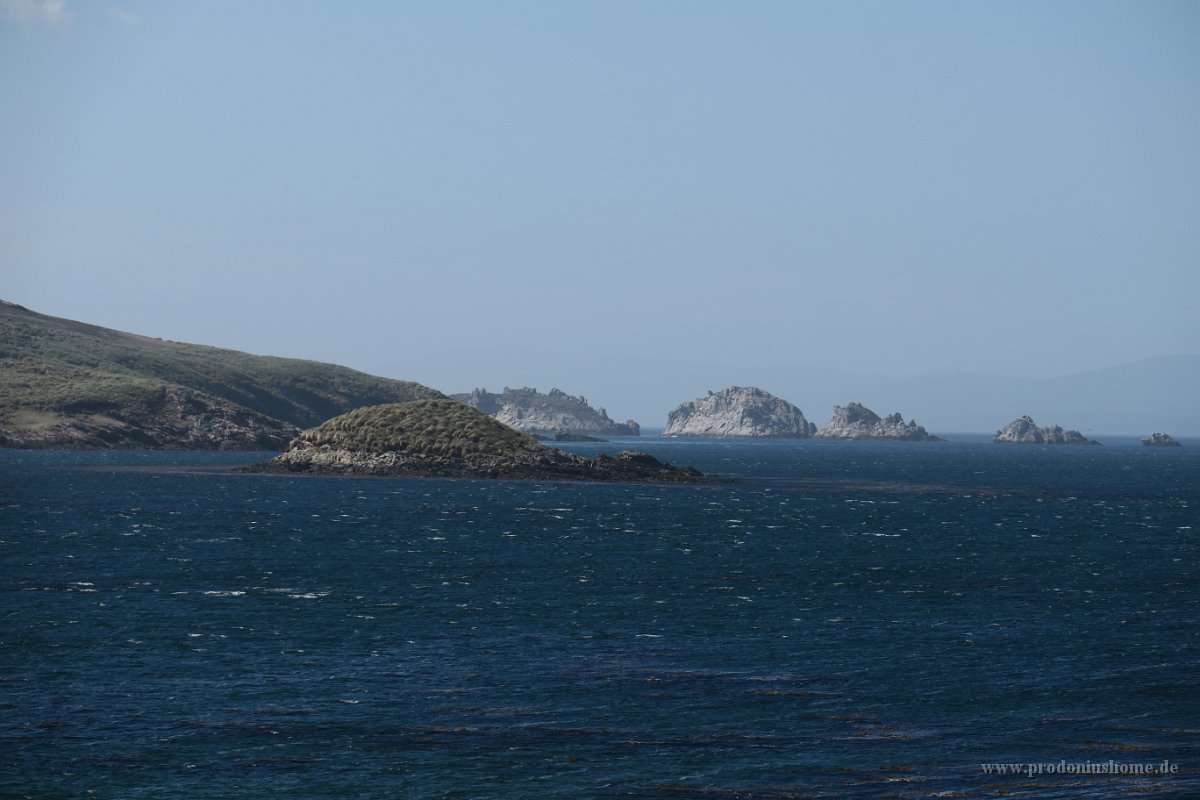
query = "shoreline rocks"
{"x": 1025, "y": 431}
{"x": 739, "y": 412}
{"x": 577, "y": 437}
{"x": 856, "y": 421}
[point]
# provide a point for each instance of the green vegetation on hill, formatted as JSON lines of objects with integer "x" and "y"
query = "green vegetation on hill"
{"x": 431, "y": 427}
{"x": 69, "y": 384}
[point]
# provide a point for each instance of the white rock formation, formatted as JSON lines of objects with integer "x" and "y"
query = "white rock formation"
{"x": 856, "y": 421}
{"x": 550, "y": 414}
{"x": 739, "y": 411}
{"x": 1026, "y": 431}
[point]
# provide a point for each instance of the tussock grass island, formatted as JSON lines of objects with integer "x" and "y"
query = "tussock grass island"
{"x": 444, "y": 438}
{"x": 431, "y": 427}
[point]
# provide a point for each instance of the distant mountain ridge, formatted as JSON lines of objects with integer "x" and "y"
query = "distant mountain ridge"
{"x": 67, "y": 384}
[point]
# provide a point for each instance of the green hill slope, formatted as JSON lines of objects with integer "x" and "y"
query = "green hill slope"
{"x": 67, "y": 384}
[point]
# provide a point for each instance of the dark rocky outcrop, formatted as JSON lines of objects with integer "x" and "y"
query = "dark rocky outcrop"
{"x": 549, "y": 414}
{"x": 1161, "y": 440}
{"x": 739, "y": 412}
{"x": 856, "y": 421}
{"x": 1026, "y": 431}
{"x": 444, "y": 438}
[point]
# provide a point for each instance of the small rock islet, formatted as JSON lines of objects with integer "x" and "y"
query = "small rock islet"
{"x": 856, "y": 421}
{"x": 739, "y": 412}
{"x": 1025, "y": 431}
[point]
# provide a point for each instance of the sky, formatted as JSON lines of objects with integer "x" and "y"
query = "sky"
{"x": 526, "y": 193}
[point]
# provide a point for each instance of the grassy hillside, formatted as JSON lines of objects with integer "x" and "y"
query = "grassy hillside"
{"x": 69, "y": 384}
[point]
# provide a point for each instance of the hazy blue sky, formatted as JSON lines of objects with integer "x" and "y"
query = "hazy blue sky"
{"x": 532, "y": 192}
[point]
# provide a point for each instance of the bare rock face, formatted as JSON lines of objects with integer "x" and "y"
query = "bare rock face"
{"x": 1026, "y": 431}
{"x": 739, "y": 411}
{"x": 549, "y": 415}
{"x": 1161, "y": 440}
{"x": 856, "y": 421}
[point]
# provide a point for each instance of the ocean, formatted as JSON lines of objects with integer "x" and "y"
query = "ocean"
{"x": 843, "y": 619}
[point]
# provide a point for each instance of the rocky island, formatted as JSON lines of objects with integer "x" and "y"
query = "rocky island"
{"x": 739, "y": 411}
{"x": 1026, "y": 431}
{"x": 445, "y": 438}
{"x": 548, "y": 415}
{"x": 856, "y": 421}
{"x": 1161, "y": 440}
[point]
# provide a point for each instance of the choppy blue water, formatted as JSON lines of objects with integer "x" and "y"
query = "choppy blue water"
{"x": 850, "y": 620}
